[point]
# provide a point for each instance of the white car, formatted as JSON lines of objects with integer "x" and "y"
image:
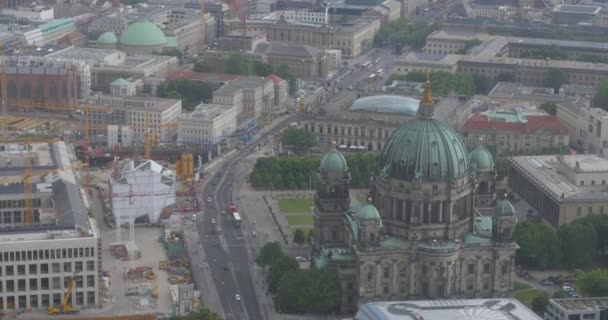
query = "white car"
{"x": 208, "y": 200}
{"x": 193, "y": 217}
{"x": 212, "y": 221}
{"x": 223, "y": 212}
{"x": 237, "y": 297}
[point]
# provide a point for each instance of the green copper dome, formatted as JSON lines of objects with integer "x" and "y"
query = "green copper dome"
{"x": 481, "y": 159}
{"x": 143, "y": 33}
{"x": 107, "y": 38}
{"x": 504, "y": 208}
{"x": 424, "y": 149}
{"x": 369, "y": 212}
{"x": 334, "y": 161}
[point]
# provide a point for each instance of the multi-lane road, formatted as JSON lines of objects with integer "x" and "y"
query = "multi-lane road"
{"x": 227, "y": 249}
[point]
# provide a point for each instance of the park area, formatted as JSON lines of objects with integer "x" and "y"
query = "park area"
{"x": 298, "y": 212}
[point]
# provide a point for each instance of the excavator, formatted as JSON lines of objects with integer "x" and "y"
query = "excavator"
{"x": 65, "y": 307}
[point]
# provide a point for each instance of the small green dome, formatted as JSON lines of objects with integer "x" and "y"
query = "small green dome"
{"x": 481, "y": 159}
{"x": 143, "y": 33}
{"x": 107, "y": 38}
{"x": 333, "y": 161}
{"x": 369, "y": 212}
{"x": 504, "y": 208}
{"x": 424, "y": 149}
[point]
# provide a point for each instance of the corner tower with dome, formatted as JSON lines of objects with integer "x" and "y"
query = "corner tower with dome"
{"x": 426, "y": 231}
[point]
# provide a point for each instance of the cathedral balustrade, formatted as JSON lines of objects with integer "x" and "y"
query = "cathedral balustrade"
{"x": 438, "y": 246}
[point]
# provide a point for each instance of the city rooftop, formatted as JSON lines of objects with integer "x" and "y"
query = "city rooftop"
{"x": 550, "y": 173}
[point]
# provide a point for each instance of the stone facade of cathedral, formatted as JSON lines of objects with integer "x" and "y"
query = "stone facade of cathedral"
{"x": 432, "y": 228}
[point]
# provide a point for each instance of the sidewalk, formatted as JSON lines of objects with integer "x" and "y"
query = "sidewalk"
{"x": 200, "y": 271}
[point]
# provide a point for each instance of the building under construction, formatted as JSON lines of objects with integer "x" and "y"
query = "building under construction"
{"x": 44, "y": 83}
{"x": 46, "y": 235}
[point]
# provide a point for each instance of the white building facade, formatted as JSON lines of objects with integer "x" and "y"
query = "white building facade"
{"x": 206, "y": 124}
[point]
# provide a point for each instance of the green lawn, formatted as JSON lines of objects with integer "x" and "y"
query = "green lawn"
{"x": 362, "y": 198}
{"x": 527, "y": 296}
{"x": 295, "y": 205}
{"x": 300, "y": 220}
{"x": 518, "y": 286}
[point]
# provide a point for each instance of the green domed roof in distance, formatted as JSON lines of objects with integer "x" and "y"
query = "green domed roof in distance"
{"x": 504, "y": 208}
{"x": 369, "y": 212}
{"x": 107, "y": 38}
{"x": 481, "y": 159}
{"x": 143, "y": 33}
{"x": 424, "y": 149}
{"x": 333, "y": 161}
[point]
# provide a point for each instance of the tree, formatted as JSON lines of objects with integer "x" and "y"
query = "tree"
{"x": 239, "y": 64}
{"x": 192, "y": 93}
{"x": 262, "y": 69}
{"x": 549, "y": 107}
{"x": 202, "y": 66}
{"x": 593, "y": 283}
{"x": 600, "y": 100}
{"x": 540, "y": 302}
{"x": 309, "y": 237}
{"x": 600, "y": 223}
{"x": 173, "y": 52}
{"x": 281, "y": 266}
{"x": 400, "y": 33}
{"x": 559, "y": 294}
{"x": 505, "y": 77}
{"x": 269, "y": 173}
{"x": 269, "y": 253}
{"x": 299, "y": 138}
{"x": 579, "y": 244}
{"x": 299, "y": 237}
{"x": 309, "y": 291}
{"x": 539, "y": 245}
{"x": 284, "y": 72}
{"x": 555, "y": 78}
{"x": 203, "y": 314}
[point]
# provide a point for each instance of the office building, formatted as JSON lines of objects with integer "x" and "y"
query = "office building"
{"x": 207, "y": 124}
{"x": 41, "y": 252}
{"x": 304, "y": 61}
{"x": 561, "y": 188}
{"x": 143, "y": 114}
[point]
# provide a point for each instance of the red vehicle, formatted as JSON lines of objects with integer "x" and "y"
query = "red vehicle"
{"x": 232, "y": 208}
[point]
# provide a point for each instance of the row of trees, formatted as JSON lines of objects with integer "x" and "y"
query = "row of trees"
{"x": 295, "y": 290}
{"x": 190, "y": 92}
{"x": 292, "y": 173}
{"x": 401, "y": 33}
{"x": 574, "y": 245}
{"x": 443, "y": 83}
{"x": 243, "y": 65}
{"x": 600, "y": 100}
{"x": 299, "y": 138}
